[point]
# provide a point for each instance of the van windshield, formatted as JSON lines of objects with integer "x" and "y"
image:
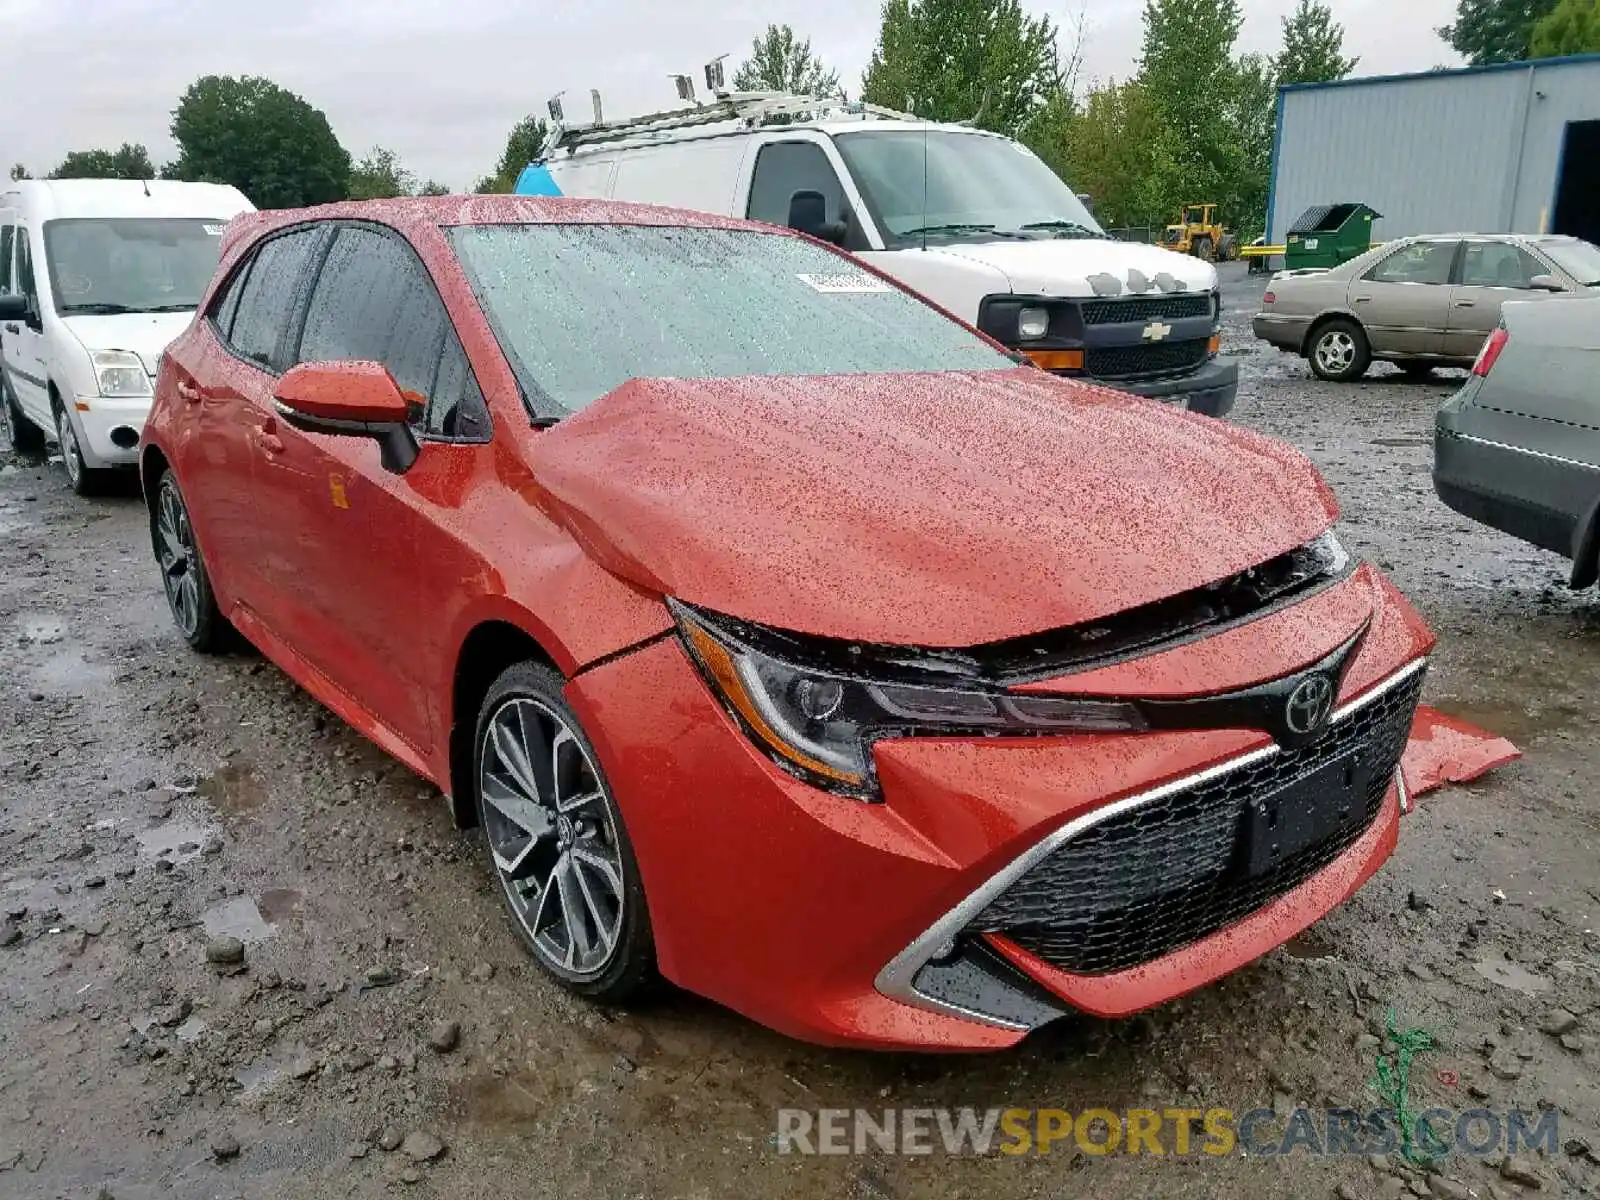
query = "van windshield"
{"x": 960, "y": 185}
{"x": 131, "y": 264}
{"x": 581, "y": 309}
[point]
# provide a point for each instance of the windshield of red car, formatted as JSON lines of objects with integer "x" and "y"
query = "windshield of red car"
{"x": 1579, "y": 259}
{"x": 582, "y": 309}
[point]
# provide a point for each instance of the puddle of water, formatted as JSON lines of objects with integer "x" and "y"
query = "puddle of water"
{"x": 238, "y": 918}
{"x": 189, "y": 1032}
{"x": 179, "y": 841}
{"x": 258, "y": 1077}
{"x": 1501, "y": 970}
{"x": 70, "y": 672}
{"x": 233, "y": 789}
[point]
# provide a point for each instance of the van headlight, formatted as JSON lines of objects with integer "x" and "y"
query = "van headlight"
{"x": 120, "y": 373}
{"x": 819, "y": 724}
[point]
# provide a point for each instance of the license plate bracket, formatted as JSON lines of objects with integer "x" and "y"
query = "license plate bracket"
{"x": 1313, "y": 809}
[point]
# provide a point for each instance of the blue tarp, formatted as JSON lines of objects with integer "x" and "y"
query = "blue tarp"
{"x": 535, "y": 180}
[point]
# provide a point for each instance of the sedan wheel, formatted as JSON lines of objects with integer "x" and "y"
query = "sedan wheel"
{"x": 183, "y": 571}
{"x": 557, "y": 841}
{"x": 1341, "y": 353}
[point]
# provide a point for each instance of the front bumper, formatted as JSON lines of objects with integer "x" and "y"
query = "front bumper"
{"x": 818, "y": 915}
{"x": 1210, "y": 390}
{"x": 109, "y": 429}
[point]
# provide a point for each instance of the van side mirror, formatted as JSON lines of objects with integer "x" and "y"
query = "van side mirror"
{"x": 350, "y": 399}
{"x": 13, "y": 308}
{"x": 1546, "y": 283}
{"x": 808, "y": 213}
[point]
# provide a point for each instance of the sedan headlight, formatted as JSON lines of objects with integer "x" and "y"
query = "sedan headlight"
{"x": 819, "y": 724}
{"x": 120, "y": 373}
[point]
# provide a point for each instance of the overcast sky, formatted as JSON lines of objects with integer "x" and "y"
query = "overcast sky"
{"x": 441, "y": 81}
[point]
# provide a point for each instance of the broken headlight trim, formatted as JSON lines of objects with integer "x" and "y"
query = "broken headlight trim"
{"x": 820, "y": 725}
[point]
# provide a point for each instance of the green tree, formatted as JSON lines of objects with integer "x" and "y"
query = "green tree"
{"x": 1120, "y": 151}
{"x": 379, "y": 176}
{"x": 128, "y": 161}
{"x": 956, "y": 60}
{"x": 1251, "y": 114}
{"x": 1313, "y": 46}
{"x": 1573, "y": 27}
{"x": 524, "y": 143}
{"x": 433, "y": 187}
{"x": 264, "y": 140}
{"x": 18, "y": 171}
{"x": 1187, "y": 71}
{"x": 781, "y": 62}
{"x": 1495, "y": 31}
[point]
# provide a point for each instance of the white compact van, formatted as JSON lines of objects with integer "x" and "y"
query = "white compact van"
{"x": 972, "y": 220}
{"x": 97, "y": 276}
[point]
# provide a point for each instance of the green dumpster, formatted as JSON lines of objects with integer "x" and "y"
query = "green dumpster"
{"x": 1329, "y": 235}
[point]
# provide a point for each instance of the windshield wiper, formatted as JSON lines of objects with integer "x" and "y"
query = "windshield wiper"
{"x": 104, "y": 310}
{"x": 1063, "y": 227}
{"x": 161, "y": 308}
{"x": 960, "y": 227}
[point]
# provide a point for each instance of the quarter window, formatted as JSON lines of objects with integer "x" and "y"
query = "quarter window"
{"x": 374, "y": 300}
{"x": 270, "y": 294}
{"x": 8, "y": 235}
{"x": 1420, "y": 262}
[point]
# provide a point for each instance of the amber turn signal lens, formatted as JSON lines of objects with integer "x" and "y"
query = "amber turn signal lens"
{"x": 1215, "y": 346}
{"x": 1057, "y": 360}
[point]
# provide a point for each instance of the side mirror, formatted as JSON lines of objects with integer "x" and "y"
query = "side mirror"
{"x": 13, "y": 308}
{"x": 350, "y": 399}
{"x": 1546, "y": 283}
{"x": 1087, "y": 200}
{"x": 808, "y": 212}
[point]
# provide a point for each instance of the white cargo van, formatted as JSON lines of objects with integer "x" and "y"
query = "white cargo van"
{"x": 974, "y": 221}
{"x": 97, "y": 276}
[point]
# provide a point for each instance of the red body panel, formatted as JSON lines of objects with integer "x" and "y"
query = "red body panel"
{"x": 920, "y": 510}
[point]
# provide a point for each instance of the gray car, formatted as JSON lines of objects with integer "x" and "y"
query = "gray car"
{"x": 1420, "y": 302}
{"x": 1518, "y": 448}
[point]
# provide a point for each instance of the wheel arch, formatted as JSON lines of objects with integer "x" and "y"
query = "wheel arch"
{"x": 488, "y": 648}
{"x": 1328, "y": 318}
{"x": 153, "y": 462}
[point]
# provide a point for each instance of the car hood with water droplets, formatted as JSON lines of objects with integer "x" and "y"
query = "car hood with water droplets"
{"x": 939, "y": 510}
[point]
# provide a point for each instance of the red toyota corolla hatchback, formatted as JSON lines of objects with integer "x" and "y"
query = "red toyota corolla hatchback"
{"x": 784, "y": 635}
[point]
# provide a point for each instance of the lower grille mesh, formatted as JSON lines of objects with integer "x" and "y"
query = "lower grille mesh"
{"x": 1148, "y": 881}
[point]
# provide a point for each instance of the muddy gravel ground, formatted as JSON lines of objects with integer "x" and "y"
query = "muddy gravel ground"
{"x": 385, "y": 1033}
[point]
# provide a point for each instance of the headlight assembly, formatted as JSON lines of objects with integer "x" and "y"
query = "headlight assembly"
{"x": 820, "y": 724}
{"x": 120, "y": 373}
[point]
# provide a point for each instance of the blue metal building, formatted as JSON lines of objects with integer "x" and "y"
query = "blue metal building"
{"x": 1513, "y": 148}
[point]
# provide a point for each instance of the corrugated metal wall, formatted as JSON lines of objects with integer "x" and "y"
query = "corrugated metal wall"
{"x": 1458, "y": 151}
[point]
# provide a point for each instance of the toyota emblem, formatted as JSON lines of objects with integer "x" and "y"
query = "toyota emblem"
{"x": 1309, "y": 705}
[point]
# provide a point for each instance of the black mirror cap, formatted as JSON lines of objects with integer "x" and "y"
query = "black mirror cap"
{"x": 13, "y": 308}
{"x": 808, "y": 213}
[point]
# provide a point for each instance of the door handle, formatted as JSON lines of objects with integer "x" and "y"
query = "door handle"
{"x": 1361, "y": 300}
{"x": 1466, "y": 304}
{"x": 188, "y": 392}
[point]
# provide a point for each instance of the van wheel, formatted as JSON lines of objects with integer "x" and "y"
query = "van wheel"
{"x": 557, "y": 842}
{"x": 85, "y": 480}
{"x": 25, "y": 437}
{"x": 1340, "y": 352}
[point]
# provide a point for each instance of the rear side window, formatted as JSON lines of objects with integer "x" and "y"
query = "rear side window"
{"x": 374, "y": 300}
{"x": 270, "y": 293}
{"x": 1420, "y": 262}
{"x": 1499, "y": 264}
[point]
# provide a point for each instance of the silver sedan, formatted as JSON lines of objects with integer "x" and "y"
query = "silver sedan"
{"x": 1420, "y": 302}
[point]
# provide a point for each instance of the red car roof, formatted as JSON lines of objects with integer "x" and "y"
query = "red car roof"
{"x": 412, "y": 213}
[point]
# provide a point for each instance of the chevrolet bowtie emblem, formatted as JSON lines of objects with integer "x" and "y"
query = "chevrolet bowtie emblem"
{"x": 1156, "y": 331}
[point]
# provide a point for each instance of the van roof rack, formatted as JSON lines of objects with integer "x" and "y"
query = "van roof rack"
{"x": 745, "y": 110}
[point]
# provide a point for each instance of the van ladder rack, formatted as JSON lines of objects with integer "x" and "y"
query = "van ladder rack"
{"x": 746, "y": 110}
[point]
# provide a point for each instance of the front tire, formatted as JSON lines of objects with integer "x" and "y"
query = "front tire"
{"x": 83, "y": 479}
{"x": 1340, "y": 352}
{"x": 557, "y": 842}
{"x": 183, "y": 571}
{"x": 1204, "y": 249}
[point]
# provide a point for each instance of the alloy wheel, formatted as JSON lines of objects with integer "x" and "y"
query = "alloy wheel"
{"x": 1336, "y": 352}
{"x": 175, "y": 552}
{"x": 553, "y": 833}
{"x": 68, "y": 439}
